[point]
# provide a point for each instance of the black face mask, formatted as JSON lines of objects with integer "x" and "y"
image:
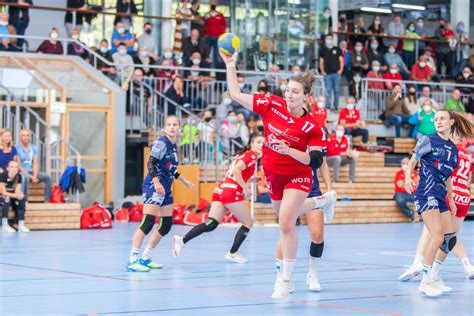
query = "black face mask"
{"x": 412, "y": 92}
{"x": 213, "y": 7}
{"x": 207, "y": 119}
{"x": 260, "y": 128}
{"x": 148, "y": 31}
{"x": 263, "y": 88}
{"x": 342, "y": 20}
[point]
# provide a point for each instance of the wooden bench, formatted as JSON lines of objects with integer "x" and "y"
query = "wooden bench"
{"x": 45, "y": 216}
{"x": 36, "y": 193}
{"x": 403, "y": 145}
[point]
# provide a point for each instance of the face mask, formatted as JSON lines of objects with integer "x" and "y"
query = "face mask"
{"x": 374, "y": 46}
{"x": 194, "y": 73}
{"x": 103, "y": 49}
{"x": 466, "y": 75}
{"x": 339, "y": 134}
{"x": 54, "y": 35}
{"x": 391, "y": 50}
{"x": 232, "y": 119}
{"x": 148, "y": 31}
{"x": 121, "y": 30}
{"x": 376, "y": 68}
{"x": 283, "y": 87}
{"x": 296, "y": 73}
{"x": 426, "y": 108}
{"x": 459, "y": 28}
{"x": 241, "y": 85}
{"x": 263, "y": 88}
{"x": 393, "y": 71}
{"x": 4, "y": 23}
{"x": 196, "y": 61}
{"x": 420, "y": 25}
{"x": 321, "y": 105}
{"x": 213, "y": 7}
{"x": 207, "y": 119}
{"x": 422, "y": 64}
{"x": 412, "y": 92}
{"x": 376, "y": 22}
{"x": 143, "y": 54}
{"x": 404, "y": 167}
{"x": 328, "y": 42}
{"x": 75, "y": 37}
{"x": 342, "y": 20}
{"x": 327, "y": 14}
{"x": 260, "y": 128}
{"x": 350, "y": 106}
{"x": 168, "y": 55}
{"x": 357, "y": 79}
{"x": 358, "y": 48}
{"x": 122, "y": 51}
{"x": 227, "y": 101}
{"x": 194, "y": 43}
{"x": 411, "y": 28}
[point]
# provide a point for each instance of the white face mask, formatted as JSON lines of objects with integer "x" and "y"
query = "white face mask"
{"x": 103, "y": 49}
{"x": 420, "y": 25}
{"x": 194, "y": 43}
{"x": 327, "y": 14}
{"x": 227, "y": 101}
{"x": 4, "y": 23}
{"x": 283, "y": 87}
{"x": 328, "y": 42}
{"x": 427, "y": 108}
{"x": 194, "y": 73}
{"x": 143, "y": 54}
{"x": 54, "y": 35}
{"x": 196, "y": 61}
{"x": 350, "y": 106}
{"x": 122, "y": 51}
{"x": 339, "y": 133}
{"x": 393, "y": 71}
{"x": 422, "y": 64}
{"x": 168, "y": 55}
{"x": 404, "y": 167}
{"x": 121, "y": 30}
{"x": 75, "y": 37}
{"x": 241, "y": 85}
{"x": 357, "y": 79}
{"x": 391, "y": 50}
{"x": 321, "y": 105}
{"x": 376, "y": 22}
{"x": 376, "y": 68}
{"x": 466, "y": 74}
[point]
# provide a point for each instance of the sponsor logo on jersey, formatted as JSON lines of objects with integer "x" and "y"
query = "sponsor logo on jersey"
{"x": 277, "y": 131}
{"x": 262, "y": 101}
{"x": 277, "y": 103}
{"x": 283, "y": 116}
{"x": 461, "y": 199}
{"x": 301, "y": 180}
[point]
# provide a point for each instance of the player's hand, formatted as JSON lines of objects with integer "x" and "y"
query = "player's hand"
{"x": 247, "y": 193}
{"x": 159, "y": 188}
{"x": 189, "y": 185}
{"x": 409, "y": 185}
{"x": 229, "y": 59}
{"x": 280, "y": 146}
{"x": 453, "y": 208}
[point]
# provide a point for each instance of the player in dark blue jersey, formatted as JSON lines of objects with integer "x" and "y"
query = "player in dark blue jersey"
{"x": 438, "y": 157}
{"x": 157, "y": 197}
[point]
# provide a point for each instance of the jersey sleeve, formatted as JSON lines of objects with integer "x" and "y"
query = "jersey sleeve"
{"x": 261, "y": 103}
{"x": 317, "y": 137}
{"x": 249, "y": 158}
{"x": 158, "y": 150}
{"x": 423, "y": 146}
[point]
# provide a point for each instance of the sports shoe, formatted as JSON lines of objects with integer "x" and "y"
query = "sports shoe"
{"x": 8, "y": 229}
{"x": 279, "y": 279}
{"x": 23, "y": 229}
{"x": 178, "y": 245}
{"x": 312, "y": 281}
{"x": 235, "y": 257}
{"x": 469, "y": 272}
{"x": 282, "y": 289}
{"x": 411, "y": 272}
{"x": 429, "y": 289}
{"x": 136, "y": 267}
{"x": 150, "y": 263}
{"x": 438, "y": 283}
{"x": 328, "y": 208}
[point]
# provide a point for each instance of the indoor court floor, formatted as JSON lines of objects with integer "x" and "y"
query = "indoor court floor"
{"x": 82, "y": 272}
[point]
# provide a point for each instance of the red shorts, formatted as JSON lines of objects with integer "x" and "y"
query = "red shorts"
{"x": 462, "y": 207}
{"x": 277, "y": 183}
{"x": 227, "y": 193}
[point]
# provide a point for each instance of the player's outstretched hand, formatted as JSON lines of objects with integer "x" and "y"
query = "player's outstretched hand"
{"x": 229, "y": 59}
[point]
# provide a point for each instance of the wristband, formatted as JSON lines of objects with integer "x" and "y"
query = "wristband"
{"x": 230, "y": 64}
{"x": 176, "y": 175}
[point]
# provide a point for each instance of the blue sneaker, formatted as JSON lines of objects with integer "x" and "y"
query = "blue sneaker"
{"x": 149, "y": 263}
{"x": 136, "y": 267}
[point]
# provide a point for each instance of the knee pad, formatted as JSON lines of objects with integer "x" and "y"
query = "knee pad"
{"x": 449, "y": 242}
{"x": 316, "y": 250}
{"x": 147, "y": 223}
{"x": 211, "y": 224}
{"x": 165, "y": 225}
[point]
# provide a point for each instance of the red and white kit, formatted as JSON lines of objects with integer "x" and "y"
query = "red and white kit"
{"x": 461, "y": 177}
{"x": 282, "y": 171}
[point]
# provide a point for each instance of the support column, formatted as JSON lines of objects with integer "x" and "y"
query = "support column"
{"x": 460, "y": 10}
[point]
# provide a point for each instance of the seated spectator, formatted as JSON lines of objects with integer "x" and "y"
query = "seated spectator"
{"x": 274, "y": 76}
{"x": 244, "y": 87}
{"x": 190, "y": 139}
{"x": 411, "y": 102}
{"x": 167, "y": 55}
{"x": 409, "y": 45}
{"x": 206, "y": 130}
{"x": 359, "y": 60}
{"x": 262, "y": 87}
{"x": 196, "y": 60}
{"x": 350, "y": 119}
{"x": 252, "y": 125}
{"x": 401, "y": 196}
{"x": 193, "y": 44}
{"x": 122, "y": 36}
{"x": 425, "y": 95}
{"x": 7, "y": 43}
{"x": 8, "y": 152}
{"x": 426, "y": 118}
{"x": 428, "y": 53}
{"x": 454, "y": 103}
{"x": 295, "y": 69}
{"x": 77, "y": 49}
{"x": 197, "y": 76}
{"x": 391, "y": 57}
{"x": 176, "y": 94}
{"x": 148, "y": 41}
{"x": 51, "y": 46}
{"x": 319, "y": 111}
{"x": 396, "y": 112}
{"x": 466, "y": 77}
{"x": 470, "y": 104}
{"x": 222, "y": 110}
{"x": 104, "y": 52}
{"x": 393, "y": 75}
{"x": 244, "y": 132}
{"x": 375, "y": 53}
{"x": 124, "y": 62}
{"x": 375, "y": 73}
{"x": 346, "y": 54}
{"x": 165, "y": 76}
{"x": 262, "y": 189}
{"x": 138, "y": 92}
{"x": 144, "y": 59}
{"x": 12, "y": 196}
{"x": 230, "y": 128}
{"x": 280, "y": 91}
{"x": 355, "y": 86}
{"x": 421, "y": 71}
{"x": 30, "y": 166}
{"x": 339, "y": 154}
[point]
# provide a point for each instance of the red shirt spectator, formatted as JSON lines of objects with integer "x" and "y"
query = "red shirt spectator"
{"x": 400, "y": 175}
{"x": 335, "y": 147}
{"x": 47, "y": 47}
{"x": 214, "y": 24}
{"x": 375, "y": 85}
{"x": 419, "y": 73}
{"x": 396, "y": 78}
{"x": 350, "y": 117}
{"x": 320, "y": 115}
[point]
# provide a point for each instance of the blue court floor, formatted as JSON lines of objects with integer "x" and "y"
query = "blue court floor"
{"x": 82, "y": 272}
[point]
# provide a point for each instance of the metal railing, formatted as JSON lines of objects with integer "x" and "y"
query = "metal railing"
{"x": 15, "y": 115}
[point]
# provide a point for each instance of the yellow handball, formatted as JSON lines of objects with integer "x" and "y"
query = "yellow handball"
{"x": 228, "y": 43}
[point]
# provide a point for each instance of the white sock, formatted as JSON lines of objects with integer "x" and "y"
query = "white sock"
{"x": 466, "y": 264}
{"x": 134, "y": 254}
{"x": 319, "y": 201}
{"x": 21, "y": 223}
{"x": 418, "y": 260}
{"x": 426, "y": 273}
{"x": 313, "y": 265}
{"x": 147, "y": 253}
{"x": 288, "y": 267}
{"x": 4, "y": 222}
{"x": 436, "y": 267}
{"x": 278, "y": 265}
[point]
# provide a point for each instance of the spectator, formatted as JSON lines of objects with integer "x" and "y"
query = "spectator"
{"x": 391, "y": 57}
{"x": 196, "y": 60}
{"x": 359, "y": 28}
{"x": 295, "y": 69}
{"x": 12, "y": 196}
{"x": 355, "y": 86}
{"x": 195, "y": 44}
{"x": 121, "y": 35}
{"x": 421, "y": 71}
{"x": 409, "y": 45}
{"x": 331, "y": 63}
{"x": 375, "y": 74}
{"x": 395, "y": 28}
{"x": 462, "y": 37}
{"x": 319, "y": 111}
{"x": 376, "y": 27}
{"x": 411, "y": 102}
{"x": 106, "y": 69}
{"x": 359, "y": 60}
{"x": 396, "y": 112}
{"x": 339, "y": 154}
{"x": 470, "y": 104}
{"x": 244, "y": 88}
{"x": 431, "y": 63}
{"x": 454, "y": 103}
{"x": 451, "y": 56}
{"x": 30, "y": 166}
{"x": 422, "y": 33}
{"x": 165, "y": 76}
{"x": 125, "y": 6}
{"x": 68, "y": 19}
{"x": 342, "y": 27}
{"x": 136, "y": 90}
{"x": 148, "y": 41}
{"x": 8, "y": 152}
{"x": 206, "y": 129}
{"x": 325, "y": 21}
{"x": 401, "y": 195}
{"x": 425, "y": 95}
{"x": 347, "y": 61}
{"x": 167, "y": 55}
{"x": 222, "y": 110}
{"x": 197, "y": 22}
{"x": 19, "y": 17}
{"x": 393, "y": 75}
{"x": 280, "y": 91}
{"x": 7, "y": 43}
{"x": 426, "y": 120}
{"x": 124, "y": 62}
{"x": 51, "y": 46}
{"x": 75, "y": 48}
{"x": 244, "y": 131}
{"x": 350, "y": 119}
{"x": 231, "y": 128}
{"x": 176, "y": 94}
{"x": 214, "y": 26}
{"x": 252, "y": 125}
{"x": 190, "y": 138}
{"x": 262, "y": 189}
{"x": 274, "y": 75}
{"x": 144, "y": 59}
{"x": 466, "y": 77}
{"x": 374, "y": 53}
{"x": 262, "y": 87}
{"x": 442, "y": 49}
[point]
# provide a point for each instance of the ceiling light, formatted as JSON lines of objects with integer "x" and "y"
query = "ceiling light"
{"x": 377, "y": 10}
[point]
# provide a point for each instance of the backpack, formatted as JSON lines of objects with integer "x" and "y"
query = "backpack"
{"x": 95, "y": 216}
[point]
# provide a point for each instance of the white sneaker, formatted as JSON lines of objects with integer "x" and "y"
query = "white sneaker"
{"x": 23, "y": 229}
{"x": 312, "y": 281}
{"x": 439, "y": 284}
{"x": 469, "y": 272}
{"x": 429, "y": 289}
{"x": 328, "y": 208}
{"x": 8, "y": 229}
{"x": 411, "y": 272}
{"x": 279, "y": 279}
{"x": 282, "y": 289}
{"x": 178, "y": 245}
{"x": 235, "y": 257}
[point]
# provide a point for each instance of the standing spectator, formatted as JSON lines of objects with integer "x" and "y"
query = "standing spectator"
{"x": 442, "y": 49}
{"x": 183, "y": 25}
{"x": 69, "y": 20}
{"x": 462, "y": 37}
{"x": 121, "y": 35}
{"x": 176, "y": 94}
{"x": 396, "y": 112}
{"x": 148, "y": 41}
{"x": 466, "y": 77}
{"x": 355, "y": 86}
{"x": 319, "y": 111}
{"x": 193, "y": 44}
{"x": 76, "y": 49}
{"x": 197, "y": 22}
{"x": 339, "y": 154}
{"x": 359, "y": 28}
{"x": 124, "y": 62}
{"x": 165, "y": 76}
{"x": 376, "y": 27}
{"x": 422, "y": 33}
{"x": 30, "y": 166}
{"x": 374, "y": 53}
{"x": 51, "y": 46}
{"x": 375, "y": 74}
{"x": 425, "y": 95}
{"x": 346, "y": 54}
{"x": 190, "y": 138}
{"x": 401, "y": 195}
{"x": 428, "y": 54}
{"x": 222, "y": 110}
{"x": 325, "y": 21}
{"x": 12, "y": 196}
{"x": 391, "y": 57}
{"x": 19, "y": 17}
{"x": 196, "y": 60}
{"x": 426, "y": 120}
{"x": 395, "y": 28}
{"x": 359, "y": 60}
{"x": 409, "y": 45}
{"x": 343, "y": 26}
{"x": 214, "y": 26}
{"x": 331, "y": 64}
{"x": 6, "y": 43}
{"x": 125, "y": 6}
{"x": 454, "y": 103}
{"x": 421, "y": 71}
{"x": 350, "y": 119}
{"x": 206, "y": 130}
{"x": 393, "y": 75}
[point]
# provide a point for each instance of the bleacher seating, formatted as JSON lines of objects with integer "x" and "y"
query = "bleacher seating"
{"x": 45, "y": 216}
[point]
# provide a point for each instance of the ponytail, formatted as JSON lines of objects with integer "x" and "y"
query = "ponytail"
{"x": 462, "y": 126}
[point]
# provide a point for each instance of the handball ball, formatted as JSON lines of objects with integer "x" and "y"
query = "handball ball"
{"x": 228, "y": 43}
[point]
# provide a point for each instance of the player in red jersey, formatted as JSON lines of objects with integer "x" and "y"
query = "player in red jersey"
{"x": 290, "y": 132}
{"x": 461, "y": 178}
{"x": 231, "y": 193}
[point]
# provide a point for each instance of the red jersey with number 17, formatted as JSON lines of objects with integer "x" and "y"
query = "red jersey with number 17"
{"x": 296, "y": 132}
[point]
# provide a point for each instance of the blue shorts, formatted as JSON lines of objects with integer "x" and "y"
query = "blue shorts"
{"x": 151, "y": 197}
{"x": 315, "y": 191}
{"x": 430, "y": 202}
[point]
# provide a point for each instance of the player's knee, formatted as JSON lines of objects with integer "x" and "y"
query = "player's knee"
{"x": 317, "y": 237}
{"x": 286, "y": 227}
{"x": 165, "y": 225}
{"x": 147, "y": 223}
{"x": 437, "y": 239}
{"x": 248, "y": 223}
{"x": 316, "y": 249}
{"x": 211, "y": 224}
{"x": 449, "y": 241}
